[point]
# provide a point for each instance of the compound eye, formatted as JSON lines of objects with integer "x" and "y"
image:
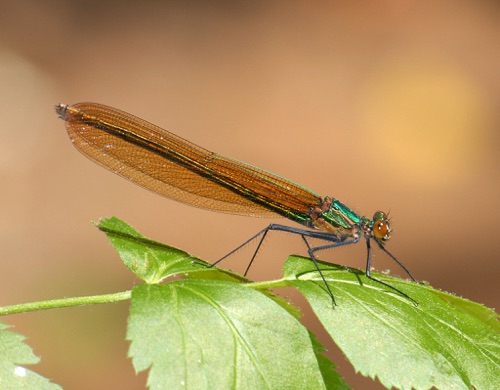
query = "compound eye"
{"x": 381, "y": 230}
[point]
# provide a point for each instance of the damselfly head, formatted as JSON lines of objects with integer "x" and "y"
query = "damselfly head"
{"x": 381, "y": 228}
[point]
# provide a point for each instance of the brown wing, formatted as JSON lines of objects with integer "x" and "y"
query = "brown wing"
{"x": 175, "y": 168}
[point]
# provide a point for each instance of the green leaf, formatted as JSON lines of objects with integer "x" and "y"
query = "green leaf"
{"x": 14, "y": 354}
{"x": 212, "y": 330}
{"x": 150, "y": 260}
{"x": 332, "y": 379}
{"x": 443, "y": 341}
{"x": 198, "y": 334}
{"x": 153, "y": 261}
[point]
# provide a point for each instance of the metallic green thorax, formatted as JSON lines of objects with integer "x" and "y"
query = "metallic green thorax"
{"x": 342, "y": 217}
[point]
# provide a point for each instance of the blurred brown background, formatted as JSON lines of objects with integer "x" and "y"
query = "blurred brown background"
{"x": 390, "y": 105}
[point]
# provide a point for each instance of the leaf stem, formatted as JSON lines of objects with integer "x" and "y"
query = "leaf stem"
{"x": 267, "y": 284}
{"x": 65, "y": 302}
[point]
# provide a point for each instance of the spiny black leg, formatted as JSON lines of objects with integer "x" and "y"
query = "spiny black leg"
{"x": 397, "y": 261}
{"x": 281, "y": 228}
{"x": 368, "y": 273}
{"x": 262, "y": 232}
{"x": 256, "y": 251}
{"x": 368, "y": 258}
{"x": 333, "y": 240}
{"x": 311, "y": 254}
